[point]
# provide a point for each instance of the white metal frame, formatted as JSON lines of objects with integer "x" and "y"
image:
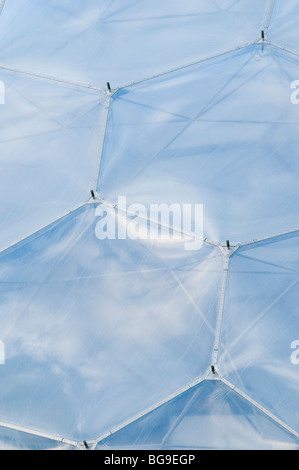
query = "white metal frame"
{"x": 227, "y": 253}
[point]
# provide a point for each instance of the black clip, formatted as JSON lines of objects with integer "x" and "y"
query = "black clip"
{"x": 86, "y": 445}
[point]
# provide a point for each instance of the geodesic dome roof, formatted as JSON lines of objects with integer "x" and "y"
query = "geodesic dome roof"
{"x": 138, "y": 343}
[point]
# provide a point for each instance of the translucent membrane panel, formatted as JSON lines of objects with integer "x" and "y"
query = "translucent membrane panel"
{"x": 283, "y": 26}
{"x": 208, "y": 416}
{"x": 97, "y": 330}
{"x": 222, "y": 133}
{"x": 14, "y": 439}
{"x": 122, "y": 41}
{"x": 49, "y": 145}
{"x": 259, "y": 340}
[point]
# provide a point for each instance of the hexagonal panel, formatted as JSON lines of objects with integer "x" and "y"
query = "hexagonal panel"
{"x": 14, "y": 438}
{"x": 95, "y": 42}
{"x": 209, "y": 416}
{"x": 50, "y": 135}
{"x": 260, "y": 323}
{"x": 222, "y": 133}
{"x": 95, "y": 331}
{"x": 283, "y": 25}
